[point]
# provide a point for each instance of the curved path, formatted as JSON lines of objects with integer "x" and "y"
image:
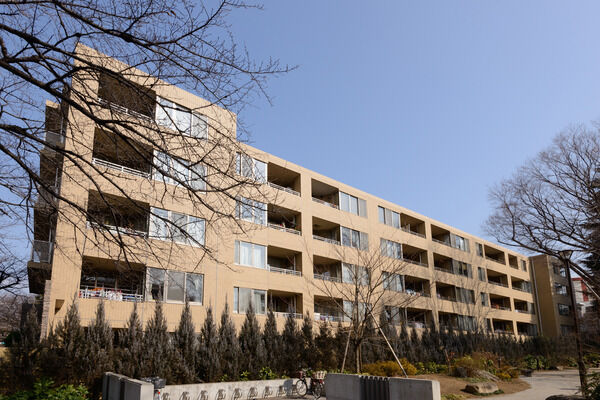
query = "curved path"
{"x": 545, "y": 384}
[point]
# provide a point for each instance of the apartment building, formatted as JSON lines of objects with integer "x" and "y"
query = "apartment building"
{"x": 301, "y": 234}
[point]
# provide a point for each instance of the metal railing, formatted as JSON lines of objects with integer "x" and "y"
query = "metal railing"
{"x": 495, "y": 260}
{"x": 449, "y": 271}
{"x": 412, "y": 232}
{"x": 441, "y": 242}
{"x": 283, "y": 188}
{"x": 41, "y": 251}
{"x": 322, "y": 239}
{"x": 415, "y": 324}
{"x": 499, "y": 307}
{"x": 328, "y": 278}
{"x": 122, "y": 109}
{"x": 284, "y": 271}
{"x": 327, "y": 317}
{"x": 116, "y": 229}
{"x": 416, "y": 293}
{"x": 284, "y": 229}
{"x": 285, "y": 315}
{"x": 120, "y": 168}
{"x": 89, "y": 292}
{"x": 498, "y": 283}
{"x": 439, "y": 296}
{"x": 524, "y": 311}
{"x": 419, "y": 263}
{"x": 326, "y": 203}
{"x": 526, "y": 290}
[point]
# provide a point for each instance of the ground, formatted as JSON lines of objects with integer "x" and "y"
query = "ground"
{"x": 451, "y": 385}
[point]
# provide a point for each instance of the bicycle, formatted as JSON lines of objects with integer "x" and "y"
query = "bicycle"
{"x": 316, "y": 387}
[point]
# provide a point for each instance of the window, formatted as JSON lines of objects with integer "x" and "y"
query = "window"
{"x": 466, "y": 323}
{"x": 353, "y": 204}
{"x": 389, "y": 217}
{"x": 560, "y": 289}
{"x": 182, "y": 228}
{"x": 523, "y": 265}
{"x": 348, "y": 307}
{"x": 391, "y": 249}
{"x": 251, "y": 168}
{"x": 462, "y": 268}
{"x": 352, "y": 238}
{"x": 355, "y": 274}
{"x": 251, "y": 211}
{"x": 459, "y": 242}
{"x": 484, "y": 299}
{"x": 394, "y": 315}
{"x": 479, "y": 249}
{"x": 465, "y": 295}
{"x": 180, "y": 118}
{"x": 175, "y": 286}
{"x": 250, "y": 254}
{"x": 564, "y": 309}
{"x": 481, "y": 273}
{"x": 394, "y": 282}
{"x": 560, "y": 270}
{"x": 173, "y": 170}
{"x": 243, "y": 297}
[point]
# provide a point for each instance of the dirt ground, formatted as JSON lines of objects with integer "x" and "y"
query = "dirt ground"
{"x": 450, "y": 385}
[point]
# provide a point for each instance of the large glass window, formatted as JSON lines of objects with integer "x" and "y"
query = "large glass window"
{"x": 394, "y": 282}
{"x": 391, "y": 249}
{"x": 353, "y": 238}
{"x": 250, "y": 254}
{"x": 176, "y": 286}
{"x": 174, "y": 170}
{"x": 459, "y": 242}
{"x": 182, "y": 228}
{"x": 389, "y": 217}
{"x": 251, "y": 168}
{"x": 355, "y": 274}
{"x": 462, "y": 268}
{"x": 481, "y": 273}
{"x": 252, "y": 211}
{"x": 353, "y": 204}
{"x": 243, "y": 297}
{"x": 177, "y": 117}
{"x": 564, "y": 309}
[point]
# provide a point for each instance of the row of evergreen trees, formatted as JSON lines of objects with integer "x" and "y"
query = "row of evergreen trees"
{"x": 73, "y": 354}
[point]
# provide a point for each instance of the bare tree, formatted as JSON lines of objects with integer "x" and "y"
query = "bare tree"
{"x": 552, "y": 203}
{"x": 369, "y": 282}
{"x": 78, "y": 129}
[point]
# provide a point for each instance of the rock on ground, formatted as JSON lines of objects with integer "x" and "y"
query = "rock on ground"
{"x": 481, "y": 388}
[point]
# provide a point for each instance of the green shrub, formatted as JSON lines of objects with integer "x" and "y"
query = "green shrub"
{"x": 389, "y": 368}
{"x": 44, "y": 390}
{"x": 507, "y": 373}
{"x": 535, "y": 362}
{"x": 592, "y": 360}
{"x": 266, "y": 373}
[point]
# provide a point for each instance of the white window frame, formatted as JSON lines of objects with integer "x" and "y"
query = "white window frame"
{"x": 391, "y": 249}
{"x": 255, "y": 165}
{"x": 168, "y": 114}
{"x": 165, "y": 286}
{"x": 171, "y": 163}
{"x": 253, "y": 293}
{"x": 357, "y": 239}
{"x": 254, "y": 253}
{"x": 257, "y": 209}
{"x": 171, "y": 229}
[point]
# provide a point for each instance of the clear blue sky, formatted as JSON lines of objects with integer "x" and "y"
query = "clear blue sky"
{"x": 426, "y": 104}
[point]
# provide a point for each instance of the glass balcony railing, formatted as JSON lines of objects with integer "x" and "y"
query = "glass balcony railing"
{"x": 41, "y": 251}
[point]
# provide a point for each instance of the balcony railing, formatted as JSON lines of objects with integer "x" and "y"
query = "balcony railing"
{"x": 441, "y": 242}
{"x": 328, "y": 278}
{"x": 117, "y": 229}
{"x": 412, "y": 232}
{"x": 449, "y": 271}
{"x": 439, "y": 296}
{"x": 498, "y": 283}
{"x": 495, "y": 260}
{"x": 499, "y": 307}
{"x": 524, "y": 311}
{"x": 54, "y": 138}
{"x": 322, "y": 239}
{"x": 325, "y": 203}
{"x": 89, "y": 292}
{"x": 503, "y": 331}
{"x": 415, "y": 324}
{"x": 120, "y": 168}
{"x": 526, "y": 290}
{"x": 41, "y": 251}
{"x": 285, "y": 315}
{"x": 417, "y": 293}
{"x": 327, "y": 317}
{"x": 284, "y": 229}
{"x": 408, "y": 260}
{"x": 121, "y": 109}
{"x": 285, "y": 271}
{"x": 283, "y": 188}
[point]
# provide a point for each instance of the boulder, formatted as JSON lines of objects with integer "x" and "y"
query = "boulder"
{"x": 481, "y": 388}
{"x": 483, "y": 374}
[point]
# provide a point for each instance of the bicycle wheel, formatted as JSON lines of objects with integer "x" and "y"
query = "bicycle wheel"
{"x": 318, "y": 390}
{"x": 301, "y": 388}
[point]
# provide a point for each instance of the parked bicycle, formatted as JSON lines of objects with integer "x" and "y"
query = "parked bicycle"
{"x": 316, "y": 386}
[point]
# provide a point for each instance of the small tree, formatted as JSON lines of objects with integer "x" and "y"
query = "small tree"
{"x": 98, "y": 355}
{"x": 326, "y": 351}
{"x": 209, "y": 351}
{"x": 131, "y": 346}
{"x": 251, "y": 345}
{"x": 308, "y": 350}
{"x": 272, "y": 343}
{"x": 159, "y": 354}
{"x": 24, "y": 350}
{"x": 291, "y": 345}
{"x": 186, "y": 346}
{"x": 229, "y": 347}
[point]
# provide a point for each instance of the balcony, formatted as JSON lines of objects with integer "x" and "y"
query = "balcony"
{"x": 124, "y": 96}
{"x": 500, "y": 302}
{"x": 513, "y": 262}
{"x": 117, "y": 214}
{"x": 524, "y": 307}
{"x": 116, "y": 153}
{"x": 520, "y": 284}
{"x": 54, "y": 133}
{"x": 417, "y": 286}
{"x": 283, "y": 179}
{"x": 325, "y": 194}
{"x": 417, "y": 318}
{"x": 494, "y": 255}
{"x": 442, "y": 263}
{"x": 284, "y": 304}
{"x": 526, "y": 329}
{"x": 109, "y": 280}
{"x": 497, "y": 278}
{"x": 327, "y": 309}
{"x": 41, "y": 251}
{"x": 284, "y": 261}
{"x": 327, "y": 269}
{"x": 415, "y": 255}
{"x": 283, "y": 219}
{"x": 412, "y": 225}
{"x": 446, "y": 292}
{"x": 440, "y": 235}
{"x": 326, "y": 231}
{"x": 503, "y": 327}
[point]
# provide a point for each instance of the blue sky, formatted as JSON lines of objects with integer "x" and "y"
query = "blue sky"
{"x": 426, "y": 103}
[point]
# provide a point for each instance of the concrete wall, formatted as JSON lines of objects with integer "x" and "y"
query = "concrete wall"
{"x": 120, "y": 387}
{"x": 246, "y": 390}
{"x": 350, "y": 387}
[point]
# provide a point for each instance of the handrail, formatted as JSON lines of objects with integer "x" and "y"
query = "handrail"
{"x": 524, "y": 311}
{"x": 449, "y": 271}
{"x": 122, "y": 109}
{"x": 322, "y": 239}
{"x": 285, "y": 315}
{"x": 116, "y": 229}
{"x": 120, "y": 168}
{"x": 415, "y": 324}
{"x": 408, "y": 260}
{"x": 326, "y": 203}
{"x": 521, "y": 289}
{"x": 441, "y": 241}
{"x": 89, "y": 292}
{"x": 412, "y": 232}
{"x": 328, "y": 278}
{"x": 284, "y": 271}
{"x": 439, "y": 296}
{"x": 497, "y": 307}
{"x": 328, "y": 317}
{"x": 498, "y": 283}
{"x": 285, "y": 189}
{"x": 493, "y": 259}
{"x": 284, "y": 229}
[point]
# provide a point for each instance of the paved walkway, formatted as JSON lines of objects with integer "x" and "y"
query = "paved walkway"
{"x": 545, "y": 384}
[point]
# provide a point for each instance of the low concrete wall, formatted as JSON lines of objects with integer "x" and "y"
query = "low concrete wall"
{"x": 245, "y": 390}
{"x": 120, "y": 387}
{"x": 352, "y": 387}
